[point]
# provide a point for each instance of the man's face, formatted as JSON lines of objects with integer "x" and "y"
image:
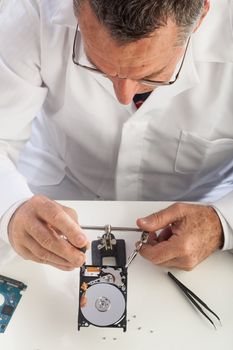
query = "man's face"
{"x": 154, "y": 58}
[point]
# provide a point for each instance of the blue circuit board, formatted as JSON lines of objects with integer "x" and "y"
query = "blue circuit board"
{"x": 10, "y": 293}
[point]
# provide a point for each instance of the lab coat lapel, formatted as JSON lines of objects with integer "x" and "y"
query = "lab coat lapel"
{"x": 108, "y": 86}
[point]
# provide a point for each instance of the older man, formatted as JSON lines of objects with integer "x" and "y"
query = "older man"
{"x": 128, "y": 100}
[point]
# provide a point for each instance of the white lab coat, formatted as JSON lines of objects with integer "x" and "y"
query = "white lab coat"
{"x": 177, "y": 146}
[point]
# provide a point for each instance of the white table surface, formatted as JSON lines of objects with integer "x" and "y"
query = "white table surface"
{"x": 160, "y": 316}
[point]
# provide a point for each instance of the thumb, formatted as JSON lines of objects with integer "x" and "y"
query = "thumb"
{"x": 160, "y": 219}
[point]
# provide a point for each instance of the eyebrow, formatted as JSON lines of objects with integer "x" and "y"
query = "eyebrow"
{"x": 145, "y": 78}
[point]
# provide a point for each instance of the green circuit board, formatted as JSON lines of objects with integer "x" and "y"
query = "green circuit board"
{"x": 10, "y": 293}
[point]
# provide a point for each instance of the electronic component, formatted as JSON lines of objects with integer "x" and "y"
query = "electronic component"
{"x": 105, "y": 291}
{"x": 10, "y": 295}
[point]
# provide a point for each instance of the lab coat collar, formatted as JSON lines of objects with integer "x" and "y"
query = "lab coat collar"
{"x": 63, "y": 14}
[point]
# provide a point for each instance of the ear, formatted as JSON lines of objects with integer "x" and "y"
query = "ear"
{"x": 204, "y": 13}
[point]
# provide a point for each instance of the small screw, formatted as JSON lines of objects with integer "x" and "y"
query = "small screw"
{"x": 139, "y": 328}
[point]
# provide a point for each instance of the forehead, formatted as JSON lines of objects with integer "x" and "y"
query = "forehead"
{"x": 101, "y": 47}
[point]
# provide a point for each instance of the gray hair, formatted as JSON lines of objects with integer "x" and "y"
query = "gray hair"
{"x": 131, "y": 20}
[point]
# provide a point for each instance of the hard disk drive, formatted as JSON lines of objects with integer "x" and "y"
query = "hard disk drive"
{"x": 104, "y": 287}
{"x": 105, "y": 292}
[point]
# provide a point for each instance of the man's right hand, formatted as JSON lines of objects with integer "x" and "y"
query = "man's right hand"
{"x": 37, "y": 230}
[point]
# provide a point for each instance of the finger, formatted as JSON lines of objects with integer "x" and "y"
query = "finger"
{"x": 53, "y": 214}
{"x": 165, "y": 234}
{"x": 44, "y": 254}
{"x": 152, "y": 238}
{"x": 28, "y": 255}
{"x": 60, "y": 235}
{"x": 71, "y": 212}
{"x": 159, "y": 253}
{"x": 83, "y": 301}
{"x": 161, "y": 219}
{"x": 53, "y": 242}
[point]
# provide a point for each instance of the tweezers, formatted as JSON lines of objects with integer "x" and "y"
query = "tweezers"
{"x": 143, "y": 240}
{"x": 195, "y": 300}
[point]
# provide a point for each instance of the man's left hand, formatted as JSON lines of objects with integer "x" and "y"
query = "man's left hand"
{"x": 190, "y": 233}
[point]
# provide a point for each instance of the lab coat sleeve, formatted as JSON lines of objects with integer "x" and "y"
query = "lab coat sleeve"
{"x": 21, "y": 93}
{"x": 224, "y": 208}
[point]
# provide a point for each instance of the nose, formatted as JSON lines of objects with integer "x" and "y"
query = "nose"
{"x": 125, "y": 89}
